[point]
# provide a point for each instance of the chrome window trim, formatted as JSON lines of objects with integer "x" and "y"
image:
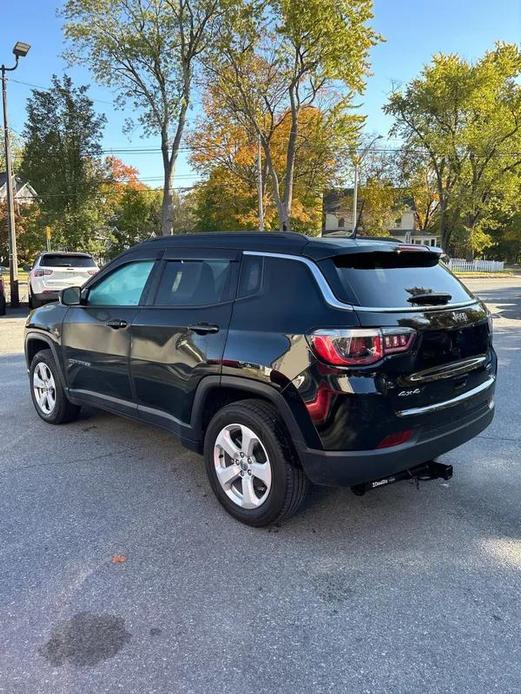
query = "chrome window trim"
{"x": 448, "y": 403}
{"x": 331, "y": 299}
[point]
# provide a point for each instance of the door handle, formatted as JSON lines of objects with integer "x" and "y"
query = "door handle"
{"x": 203, "y": 328}
{"x": 116, "y": 323}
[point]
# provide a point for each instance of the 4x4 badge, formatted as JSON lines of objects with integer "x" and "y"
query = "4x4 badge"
{"x": 406, "y": 393}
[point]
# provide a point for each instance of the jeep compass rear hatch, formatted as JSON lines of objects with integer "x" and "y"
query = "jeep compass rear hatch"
{"x": 400, "y": 289}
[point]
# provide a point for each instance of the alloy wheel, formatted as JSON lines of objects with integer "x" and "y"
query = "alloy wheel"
{"x": 44, "y": 388}
{"x": 242, "y": 466}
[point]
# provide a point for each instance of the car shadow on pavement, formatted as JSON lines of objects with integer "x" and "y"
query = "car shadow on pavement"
{"x": 506, "y": 301}
{"x": 19, "y": 312}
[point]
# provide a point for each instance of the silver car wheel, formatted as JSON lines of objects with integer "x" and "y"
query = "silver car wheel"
{"x": 44, "y": 388}
{"x": 242, "y": 466}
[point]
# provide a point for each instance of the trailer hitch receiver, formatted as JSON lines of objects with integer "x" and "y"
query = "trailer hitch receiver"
{"x": 431, "y": 470}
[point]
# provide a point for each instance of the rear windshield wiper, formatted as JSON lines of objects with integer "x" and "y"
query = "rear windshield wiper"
{"x": 430, "y": 298}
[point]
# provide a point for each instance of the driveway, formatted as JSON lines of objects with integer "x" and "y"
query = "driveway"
{"x": 119, "y": 571}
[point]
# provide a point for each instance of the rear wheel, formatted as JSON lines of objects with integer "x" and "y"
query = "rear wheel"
{"x": 251, "y": 464}
{"x": 48, "y": 395}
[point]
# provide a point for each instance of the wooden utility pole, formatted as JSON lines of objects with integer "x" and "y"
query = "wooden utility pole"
{"x": 260, "y": 184}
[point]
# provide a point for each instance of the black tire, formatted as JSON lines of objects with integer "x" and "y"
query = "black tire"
{"x": 34, "y": 302}
{"x": 289, "y": 484}
{"x": 63, "y": 410}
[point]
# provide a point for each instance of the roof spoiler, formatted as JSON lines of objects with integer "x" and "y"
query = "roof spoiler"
{"x": 361, "y": 246}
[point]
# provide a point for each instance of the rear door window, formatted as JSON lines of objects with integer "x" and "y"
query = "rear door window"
{"x": 194, "y": 283}
{"x": 390, "y": 279}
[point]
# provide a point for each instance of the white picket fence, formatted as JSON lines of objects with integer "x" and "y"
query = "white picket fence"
{"x": 476, "y": 265}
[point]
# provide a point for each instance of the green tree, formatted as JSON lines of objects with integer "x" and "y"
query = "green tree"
{"x": 61, "y": 160}
{"x": 16, "y": 144}
{"x": 466, "y": 119}
{"x": 418, "y": 181}
{"x": 148, "y": 52}
{"x": 281, "y": 56}
{"x": 380, "y": 198}
{"x": 136, "y": 217}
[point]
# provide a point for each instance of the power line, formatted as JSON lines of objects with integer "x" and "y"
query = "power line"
{"x": 47, "y": 89}
{"x": 97, "y": 197}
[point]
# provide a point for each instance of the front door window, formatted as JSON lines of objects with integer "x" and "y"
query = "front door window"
{"x": 123, "y": 287}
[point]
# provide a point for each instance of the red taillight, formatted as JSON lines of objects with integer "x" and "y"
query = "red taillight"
{"x": 348, "y": 347}
{"x": 358, "y": 346}
{"x": 41, "y": 273}
{"x": 395, "y": 439}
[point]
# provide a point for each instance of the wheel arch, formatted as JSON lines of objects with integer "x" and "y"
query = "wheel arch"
{"x": 36, "y": 342}
{"x": 214, "y": 392}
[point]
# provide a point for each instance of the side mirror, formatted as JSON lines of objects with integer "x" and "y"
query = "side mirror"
{"x": 70, "y": 296}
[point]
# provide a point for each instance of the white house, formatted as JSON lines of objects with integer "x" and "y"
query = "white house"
{"x": 338, "y": 216}
{"x": 24, "y": 193}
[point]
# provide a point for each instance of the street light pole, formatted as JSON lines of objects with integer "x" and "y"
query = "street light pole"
{"x": 11, "y": 228}
{"x": 20, "y": 50}
{"x": 357, "y": 162}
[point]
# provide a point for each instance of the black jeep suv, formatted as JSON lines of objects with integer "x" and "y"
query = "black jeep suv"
{"x": 284, "y": 359}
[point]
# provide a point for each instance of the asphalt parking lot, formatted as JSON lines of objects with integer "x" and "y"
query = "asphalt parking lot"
{"x": 404, "y": 590}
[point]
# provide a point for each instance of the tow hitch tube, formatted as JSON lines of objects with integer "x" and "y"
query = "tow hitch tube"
{"x": 431, "y": 470}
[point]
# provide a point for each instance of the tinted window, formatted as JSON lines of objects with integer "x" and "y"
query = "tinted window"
{"x": 288, "y": 300}
{"x": 251, "y": 275}
{"x": 56, "y": 260}
{"x": 392, "y": 279}
{"x": 193, "y": 283}
{"x": 123, "y": 287}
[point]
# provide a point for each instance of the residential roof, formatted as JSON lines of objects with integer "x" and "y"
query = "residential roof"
{"x": 19, "y": 184}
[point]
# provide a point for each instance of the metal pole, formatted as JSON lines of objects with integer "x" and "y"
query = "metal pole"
{"x": 355, "y": 200}
{"x": 11, "y": 228}
{"x": 357, "y": 162}
{"x": 259, "y": 184}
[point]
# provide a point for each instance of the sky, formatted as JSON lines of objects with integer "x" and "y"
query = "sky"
{"x": 413, "y": 30}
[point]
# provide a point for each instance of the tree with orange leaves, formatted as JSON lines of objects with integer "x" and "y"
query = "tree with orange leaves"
{"x": 226, "y": 154}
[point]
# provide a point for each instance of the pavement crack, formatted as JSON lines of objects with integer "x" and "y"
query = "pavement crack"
{"x": 497, "y": 438}
{"x": 90, "y": 459}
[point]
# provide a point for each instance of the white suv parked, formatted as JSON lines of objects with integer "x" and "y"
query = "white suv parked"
{"x": 53, "y": 271}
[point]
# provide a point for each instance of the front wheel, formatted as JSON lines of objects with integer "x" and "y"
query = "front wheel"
{"x": 49, "y": 399}
{"x": 251, "y": 464}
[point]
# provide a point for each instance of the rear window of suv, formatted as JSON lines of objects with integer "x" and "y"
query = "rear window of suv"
{"x": 390, "y": 279}
{"x": 56, "y": 260}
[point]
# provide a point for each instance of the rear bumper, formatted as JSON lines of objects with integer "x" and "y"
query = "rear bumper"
{"x": 347, "y": 468}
